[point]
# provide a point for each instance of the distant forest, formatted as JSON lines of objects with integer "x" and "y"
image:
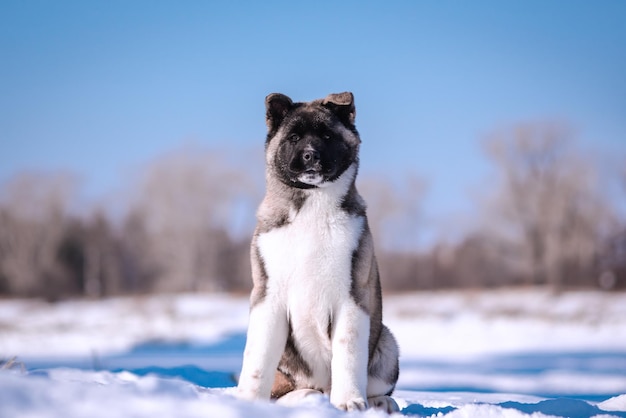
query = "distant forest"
{"x": 185, "y": 221}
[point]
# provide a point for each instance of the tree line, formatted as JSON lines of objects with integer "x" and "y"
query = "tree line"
{"x": 185, "y": 225}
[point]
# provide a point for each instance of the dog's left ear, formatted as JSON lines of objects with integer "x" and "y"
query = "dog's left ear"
{"x": 277, "y": 106}
{"x": 342, "y": 104}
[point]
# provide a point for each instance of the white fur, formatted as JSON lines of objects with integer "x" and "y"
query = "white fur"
{"x": 314, "y": 179}
{"x": 309, "y": 265}
{"x": 267, "y": 335}
{"x": 350, "y": 355}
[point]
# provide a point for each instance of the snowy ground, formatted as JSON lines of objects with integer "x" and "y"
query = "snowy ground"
{"x": 497, "y": 354}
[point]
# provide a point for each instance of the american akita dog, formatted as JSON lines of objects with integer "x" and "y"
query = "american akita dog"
{"x": 316, "y": 308}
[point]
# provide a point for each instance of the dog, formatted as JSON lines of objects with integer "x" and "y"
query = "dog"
{"x": 315, "y": 308}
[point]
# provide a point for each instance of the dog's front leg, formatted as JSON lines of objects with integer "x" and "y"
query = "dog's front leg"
{"x": 349, "y": 358}
{"x": 266, "y": 339}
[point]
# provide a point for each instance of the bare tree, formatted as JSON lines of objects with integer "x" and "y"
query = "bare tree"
{"x": 612, "y": 260}
{"x": 547, "y": 202}
{"x": 186, "y": 200}
{"x": 34, "y": 211}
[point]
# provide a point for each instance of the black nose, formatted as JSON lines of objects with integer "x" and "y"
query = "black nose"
{"x": 310, "y": 156}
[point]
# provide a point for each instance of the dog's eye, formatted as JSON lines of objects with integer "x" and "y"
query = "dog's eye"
{"x": 326, "y": 136}
{"x": 294, "y": 137}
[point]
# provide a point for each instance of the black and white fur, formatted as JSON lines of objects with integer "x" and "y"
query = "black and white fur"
{"x": 315, "y": 318}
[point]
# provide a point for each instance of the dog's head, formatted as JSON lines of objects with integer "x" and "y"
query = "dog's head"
{"x": 311, "y": 144}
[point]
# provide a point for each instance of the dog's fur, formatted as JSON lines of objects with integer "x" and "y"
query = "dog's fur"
{"x": 315, "y": 317}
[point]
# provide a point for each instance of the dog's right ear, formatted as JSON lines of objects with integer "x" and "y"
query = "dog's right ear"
{"x": 277, "y": 106}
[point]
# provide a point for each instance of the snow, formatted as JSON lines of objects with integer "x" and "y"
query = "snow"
{"x": 69, "y": 393}
{"x": 506, "y": 321}
{"x": 83, "y": 327}
{"x": 618, "y": 403}
{"x": 522, "y": 353}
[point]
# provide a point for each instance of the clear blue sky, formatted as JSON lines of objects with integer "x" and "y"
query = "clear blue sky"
{"x": 100, "y": 87}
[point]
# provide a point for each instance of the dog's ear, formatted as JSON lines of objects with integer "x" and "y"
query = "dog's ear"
{"x": 342, "y": 104}
{"x": 276, "y": 107}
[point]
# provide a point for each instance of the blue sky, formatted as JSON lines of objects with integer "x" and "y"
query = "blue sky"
{"x": 101, "y": 87}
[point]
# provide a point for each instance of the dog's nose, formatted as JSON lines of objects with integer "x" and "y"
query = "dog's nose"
{"x": 310, "y": 156}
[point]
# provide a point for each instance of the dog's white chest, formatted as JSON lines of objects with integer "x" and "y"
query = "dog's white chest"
{"x": 309, "y": 260}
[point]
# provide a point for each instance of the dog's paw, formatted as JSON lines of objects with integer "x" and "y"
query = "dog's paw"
{"x": 384, "y": 403}
{"x": 356, "y": 404}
